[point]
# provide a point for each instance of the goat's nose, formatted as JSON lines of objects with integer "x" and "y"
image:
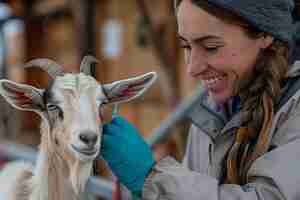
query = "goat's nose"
{"x": 89, "y": 139}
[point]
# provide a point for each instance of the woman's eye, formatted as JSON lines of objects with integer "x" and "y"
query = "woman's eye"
{"x": 185, "y": 47}
{"x": 184, "y": 44}
{"x": 211, "y": 49}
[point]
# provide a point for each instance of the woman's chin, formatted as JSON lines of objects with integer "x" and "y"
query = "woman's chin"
{"x": 220, "y": 97}
{"x": 219, "y": 92}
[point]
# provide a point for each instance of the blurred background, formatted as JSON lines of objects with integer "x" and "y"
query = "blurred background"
{"x": 129, "y": 37}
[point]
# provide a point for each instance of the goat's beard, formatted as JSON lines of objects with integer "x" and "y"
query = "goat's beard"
{"x": 79, "y": 171}
{"x": 79, "y": 174}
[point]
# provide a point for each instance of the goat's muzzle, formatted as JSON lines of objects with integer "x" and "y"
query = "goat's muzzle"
{"x": 88, "y": 144}
{"x": 89, "y": 139}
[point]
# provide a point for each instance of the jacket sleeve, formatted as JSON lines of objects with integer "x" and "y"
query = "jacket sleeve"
{"x": 274, "y": 176}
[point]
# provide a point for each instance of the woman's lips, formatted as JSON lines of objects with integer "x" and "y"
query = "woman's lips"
{"x": 215, "y": 84}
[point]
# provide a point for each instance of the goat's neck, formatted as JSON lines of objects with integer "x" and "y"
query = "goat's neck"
{"x": 51, "y": 177}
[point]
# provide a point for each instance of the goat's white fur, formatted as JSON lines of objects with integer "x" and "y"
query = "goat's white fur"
{"x": 58, "y": 174}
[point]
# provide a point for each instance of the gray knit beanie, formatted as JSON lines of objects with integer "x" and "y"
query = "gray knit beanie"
{"x": 276, "y": 17}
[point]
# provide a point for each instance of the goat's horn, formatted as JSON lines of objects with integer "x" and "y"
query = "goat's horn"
{"x": 51, "y": 67}
{"x": 86, "y": 64}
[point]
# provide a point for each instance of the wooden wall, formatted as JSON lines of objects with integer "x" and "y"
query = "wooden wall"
{"x": 56, "y": 37}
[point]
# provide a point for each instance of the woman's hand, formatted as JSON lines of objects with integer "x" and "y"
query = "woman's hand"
{"x": 129, "y": 157}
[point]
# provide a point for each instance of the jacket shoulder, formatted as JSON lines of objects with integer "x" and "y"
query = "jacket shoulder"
{"x": 286, "y": 126}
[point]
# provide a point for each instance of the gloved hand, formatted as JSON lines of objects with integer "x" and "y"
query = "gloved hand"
{"x": 127, "y": 154}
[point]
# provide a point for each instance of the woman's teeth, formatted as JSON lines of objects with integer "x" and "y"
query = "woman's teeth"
{"x": 212, "y": 81}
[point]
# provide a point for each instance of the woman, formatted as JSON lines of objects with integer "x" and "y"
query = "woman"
{"x": 238, "y": 50}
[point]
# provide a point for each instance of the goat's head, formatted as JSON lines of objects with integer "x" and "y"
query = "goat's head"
{"x": 70, "y": 105}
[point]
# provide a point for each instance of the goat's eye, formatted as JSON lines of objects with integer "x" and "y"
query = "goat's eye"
{"x": 54, "y": 107}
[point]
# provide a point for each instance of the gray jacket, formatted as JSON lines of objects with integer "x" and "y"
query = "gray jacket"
{"x": 276, "y": 173}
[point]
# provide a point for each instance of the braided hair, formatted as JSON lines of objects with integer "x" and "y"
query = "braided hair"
{"x": 259, "y": 94}
{"x": 257, "y": 110}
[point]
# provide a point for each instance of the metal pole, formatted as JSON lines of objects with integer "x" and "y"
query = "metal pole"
{"x": 163, "y": 131}
{"x": 12, "y": 151}
{"x": 100, "y": 187}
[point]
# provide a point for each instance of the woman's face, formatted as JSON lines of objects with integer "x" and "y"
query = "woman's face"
{"x": 217, "y": 53}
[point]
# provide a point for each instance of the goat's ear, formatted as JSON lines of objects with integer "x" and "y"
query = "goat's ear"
{"x": 21, "y": 96}
{"x": 128, "y": 89}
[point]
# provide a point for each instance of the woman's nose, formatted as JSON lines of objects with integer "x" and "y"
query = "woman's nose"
{"x": 196, "y": 63}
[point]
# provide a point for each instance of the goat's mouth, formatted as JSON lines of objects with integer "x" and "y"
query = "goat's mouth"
{"x": 90, "y": 152}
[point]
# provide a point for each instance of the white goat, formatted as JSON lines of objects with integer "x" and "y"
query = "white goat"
{"x": 70, "y": 129}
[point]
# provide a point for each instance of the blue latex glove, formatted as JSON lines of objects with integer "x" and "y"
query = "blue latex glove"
{"x": 129, "y": 157}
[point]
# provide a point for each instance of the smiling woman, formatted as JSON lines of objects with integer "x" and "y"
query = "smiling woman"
{"x": 248, "y": 64}
{"x": 238, "y": 50}
{"x": 221, "y": 53}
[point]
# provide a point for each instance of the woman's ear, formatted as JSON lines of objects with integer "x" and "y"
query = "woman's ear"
{"x": 267, "y": 40}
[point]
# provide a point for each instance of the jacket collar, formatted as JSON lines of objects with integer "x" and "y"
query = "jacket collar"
{"x": 207, "y": 117}
{"x": 213, "y": 119}
{"x": 294, "y": 70}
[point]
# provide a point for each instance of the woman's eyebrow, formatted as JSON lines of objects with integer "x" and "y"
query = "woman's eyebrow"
{"x": 200, "y": 39}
